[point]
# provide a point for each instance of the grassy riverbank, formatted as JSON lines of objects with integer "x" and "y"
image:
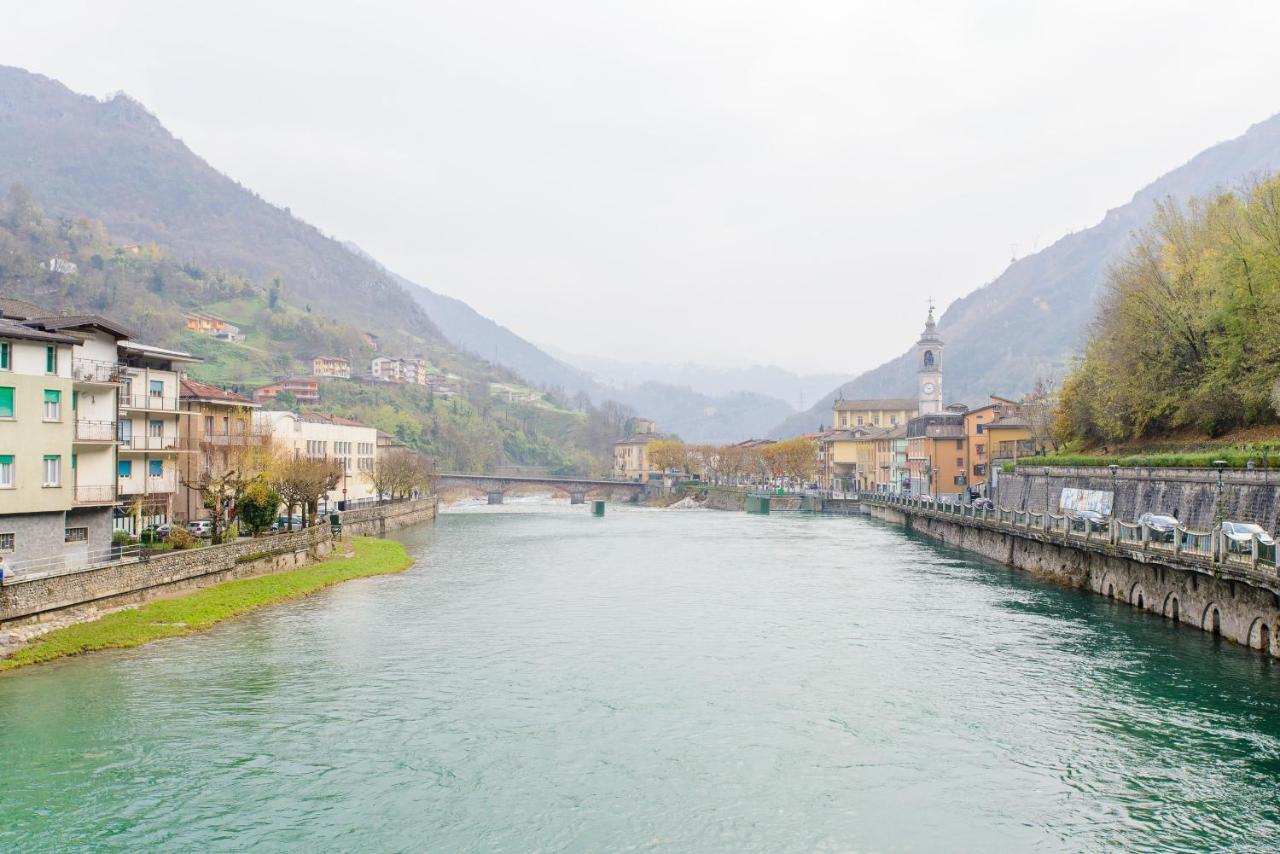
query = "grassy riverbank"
{"x": 202, "y": 609}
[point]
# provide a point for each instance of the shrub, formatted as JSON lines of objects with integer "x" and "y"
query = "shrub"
{"x": 181, "y": 538}
{"x": 121, "y": 538}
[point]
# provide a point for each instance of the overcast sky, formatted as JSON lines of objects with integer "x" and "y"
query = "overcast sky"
{"x": 714, "y": 181}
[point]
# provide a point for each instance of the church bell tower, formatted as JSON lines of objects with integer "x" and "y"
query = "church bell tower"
{"x": 929, "y": 367}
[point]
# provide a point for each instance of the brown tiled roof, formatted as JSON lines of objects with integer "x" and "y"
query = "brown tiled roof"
{"x": 323, "y": 418}
{"x": 196, "y": 390}
{"x": 75, "y": 321}
{"x": 1009, "y": 421}
{"x": 17, "y": 329}
{"x": 20, "y": 309}
{"x": 889, "y": 403}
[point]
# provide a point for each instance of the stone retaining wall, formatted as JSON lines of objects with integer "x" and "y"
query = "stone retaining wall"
{"x": 1239, "y": 611}
{"x": 1190, "y": 494}
{"x": 171, "y": 573}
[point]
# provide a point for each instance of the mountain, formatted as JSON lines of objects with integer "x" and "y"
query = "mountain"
{"x": 768, "y": 380}
{"x": 1034, "y": 318}
{"x": 114, "y": 162}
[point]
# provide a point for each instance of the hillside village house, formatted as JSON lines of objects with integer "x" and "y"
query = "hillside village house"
{"x": 410, "y": 371}
{"x": 327, "y": 437}
{"x": 331, "y": 366}
{"x": 220, "y": 425}
{"x": 303, "y": 389}
{"x": 213, "y": 326}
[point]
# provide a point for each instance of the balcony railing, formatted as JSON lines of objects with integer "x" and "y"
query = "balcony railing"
{"x": 96, "y": 431}
{"x": 149, "y": 401}
{"x": 96, "y": 371}
{"x": 155, "y": 443}
{"x": 93, "y": 494}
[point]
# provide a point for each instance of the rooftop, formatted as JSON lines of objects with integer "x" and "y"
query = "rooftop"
{"x": 20, "y": 309}
{"x": 196, "y": 390}
{"x": 17, "y": 329}
{"x": 159, "y": 352}
{"x": 886, "y": 404}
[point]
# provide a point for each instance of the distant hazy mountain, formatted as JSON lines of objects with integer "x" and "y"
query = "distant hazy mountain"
{"x": 1030, "y": 321}
{"x": 113, "y": 161}
{"x": 768, "y": 380}
{"x": 705, "y": 419}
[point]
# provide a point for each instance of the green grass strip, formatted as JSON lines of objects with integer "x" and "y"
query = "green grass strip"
{"x": 183, "y": 615}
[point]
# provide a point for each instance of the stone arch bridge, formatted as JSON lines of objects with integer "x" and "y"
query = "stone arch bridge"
{"x": 495, "y": 486}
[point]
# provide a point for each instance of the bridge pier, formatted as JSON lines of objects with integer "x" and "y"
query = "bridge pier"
{"x": 495, "y": 497}
{"x": 577, "y": 498}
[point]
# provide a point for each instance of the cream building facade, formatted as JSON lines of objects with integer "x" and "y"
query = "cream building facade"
{"x": 327, "y": 437}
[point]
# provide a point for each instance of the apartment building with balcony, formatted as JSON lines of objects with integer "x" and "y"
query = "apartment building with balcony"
{"x": 152, "y": 435}
{"x": 220, "y": 427}
{"x": 327, "y": 437}
{"x": 331, "y": 366}
{"x": 58, "y": 389}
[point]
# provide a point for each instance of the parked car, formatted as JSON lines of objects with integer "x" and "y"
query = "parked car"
{"x": 159, "y": 533}
{"x": 282, "y": 524}
{"x": 1088, "y": 519}
{"x": 201, "y": 528}
{"x": 1160, "y": 527}
{"x": 983, "y": 504}
{"x": 1240, "y": 536}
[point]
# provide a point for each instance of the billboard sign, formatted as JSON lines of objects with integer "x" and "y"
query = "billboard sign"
{"x": 1075, "y": 500}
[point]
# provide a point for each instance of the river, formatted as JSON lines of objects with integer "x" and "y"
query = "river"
{"x": 657, "y": 680}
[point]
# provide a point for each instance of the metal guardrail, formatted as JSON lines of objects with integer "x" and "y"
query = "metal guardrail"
{"x": 96, "y": 371}
{"x": 46, "y": 567}
{"x": 155, "y": 443}
{"x": 96, "y": 431}
{"x": 148, "y": 401}
{"x": 1134, "y": 537}
{"x": 94, "y": 494}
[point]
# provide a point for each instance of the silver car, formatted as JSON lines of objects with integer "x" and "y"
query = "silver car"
{"x": 1160, "y": 527}
{"x": 1240, "y": 535}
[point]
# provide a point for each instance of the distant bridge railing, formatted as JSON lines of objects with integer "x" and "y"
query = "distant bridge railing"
{"x": 1136, "y": 539}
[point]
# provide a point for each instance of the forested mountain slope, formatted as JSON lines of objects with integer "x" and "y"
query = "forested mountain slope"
{"x": 1032, "y": 320}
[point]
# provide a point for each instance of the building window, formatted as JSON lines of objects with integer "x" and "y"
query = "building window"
{"x": 155, "y": 429}
{"x": 7, "y": 542}
{"x": 959, "y": 444}
{"x": 893, "y": 421}
{"x": 959, "y": 480}
{"x": 959, "y": 462}
{"x": 156, "y": 388}
{"x": 124, "y": 468}
{"x": 6, "y": 402}
{"x": 4, "y": 356}
{"x": 52, "y": 470}
{"x": 208, "y": 425}
{"x": 6, "y": 471}
{"x": 52, "y": 405}
{"x": 226, "y": 426}
{"x": 51, "y": 359}
{"x": 859, "y": 420}
{"x": 76, "y": 535}
{"x": 980, "y": 449}
{"x": 155, "y": 468}
{"x": 980, "y": 469}
{"x": 979, "y": 428}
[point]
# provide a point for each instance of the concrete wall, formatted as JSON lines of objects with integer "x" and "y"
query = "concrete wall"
{"x": 168, "y": 573}
{"x": 1245, "y": 613}
{"x": 1189, "y": 494}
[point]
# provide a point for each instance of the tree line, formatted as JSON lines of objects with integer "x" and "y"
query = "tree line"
{"x": 1184, "y": 337}
{"x": 793, "y": 459}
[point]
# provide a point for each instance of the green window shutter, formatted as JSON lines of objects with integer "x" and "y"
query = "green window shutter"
{"x": 75, "y": 400}
{"x": 52, "y": 395}
{"x": 6, "y": 459}
{"x": 52, "y": 457}
{"x": 73, "y": 462}
{"x": 4, "y": 355}
{"x": 6, "y": 401}
{"x": 51, "y": 359}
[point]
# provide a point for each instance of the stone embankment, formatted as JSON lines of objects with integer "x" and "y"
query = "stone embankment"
{"x": 1190, "y": 494}
{"x": 172, "y": 573}
{"x": 1233, "y": 598}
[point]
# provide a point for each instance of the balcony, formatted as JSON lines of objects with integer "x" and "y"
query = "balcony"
{"x": 85, "y": 494}
{"x": 155, "y": 443}
{"x": 96, "y": 371}
{"x": 149, "y": 402}
{"x": 96, "y": 431}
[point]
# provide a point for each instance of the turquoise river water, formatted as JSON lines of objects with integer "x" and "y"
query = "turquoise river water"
{"x": 543, "y": 680}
